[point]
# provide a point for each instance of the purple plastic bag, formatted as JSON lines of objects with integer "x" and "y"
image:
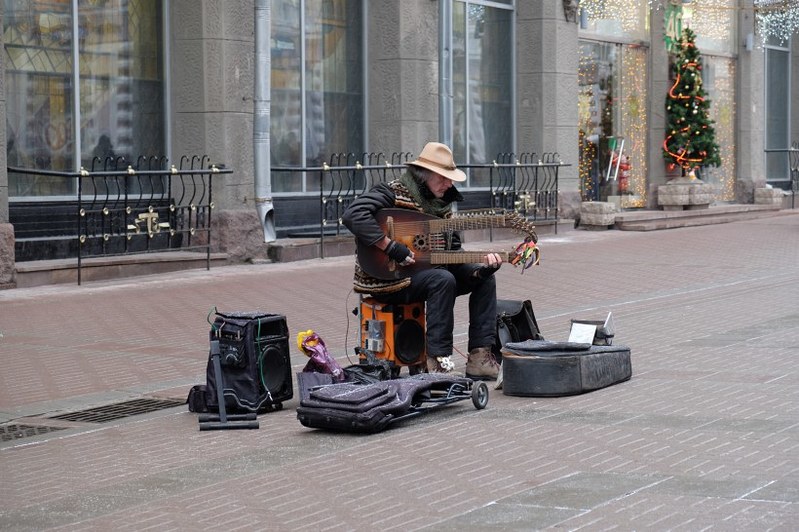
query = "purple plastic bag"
{"x": 320, "y": 360}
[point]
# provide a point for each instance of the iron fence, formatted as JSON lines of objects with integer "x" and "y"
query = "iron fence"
{"x": 525, "y": 184}
{"x": 788, "y": 159}
{"x": 145, "y": 207}
{"x": 793, "y": 161}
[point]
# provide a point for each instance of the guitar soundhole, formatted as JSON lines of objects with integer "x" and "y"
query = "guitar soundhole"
{"x": 420, "y": 242}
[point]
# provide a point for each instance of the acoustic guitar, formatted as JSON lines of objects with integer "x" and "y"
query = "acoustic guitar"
{"x": 426, "y": 236}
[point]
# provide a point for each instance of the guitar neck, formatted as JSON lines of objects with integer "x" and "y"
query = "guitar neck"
{"x": 462, "y": 257}
{"x": 464, "y": 223}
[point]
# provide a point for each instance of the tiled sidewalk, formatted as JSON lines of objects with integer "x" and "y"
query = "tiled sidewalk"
{"x": 704, "y": 436}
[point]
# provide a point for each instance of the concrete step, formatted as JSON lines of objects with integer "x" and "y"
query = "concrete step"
{"x": 294, "y": 249}
{"x": 60, "y": 271}
{"x": 656, "y": 220}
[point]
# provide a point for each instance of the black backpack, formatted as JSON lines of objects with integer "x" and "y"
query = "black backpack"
{"x": 515, "y": 323}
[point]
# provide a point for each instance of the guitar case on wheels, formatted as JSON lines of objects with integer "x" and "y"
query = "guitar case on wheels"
{"x": 370, "y": 408}
{"x": 539, "y": 368}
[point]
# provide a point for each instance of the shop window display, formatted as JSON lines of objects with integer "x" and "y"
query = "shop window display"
{"x": 612, "y": 123}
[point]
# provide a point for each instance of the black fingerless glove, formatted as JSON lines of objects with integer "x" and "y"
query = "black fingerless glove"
{"x": 397, "y": 251}
{"x": 484, "y": 272}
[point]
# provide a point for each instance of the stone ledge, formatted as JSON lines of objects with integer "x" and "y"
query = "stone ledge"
{"x": 657, "y": 219}
{"x": 768, "y": 196}
{"x": 597, "y": 215}
{"x": 685, "y": 194}
{"x": 294, "y": 249}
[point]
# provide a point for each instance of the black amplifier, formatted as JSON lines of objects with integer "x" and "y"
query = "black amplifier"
{"x": 254, "y": 359}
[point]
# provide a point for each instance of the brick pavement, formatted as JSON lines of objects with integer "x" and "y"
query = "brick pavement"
{"x": 704, "y": 436}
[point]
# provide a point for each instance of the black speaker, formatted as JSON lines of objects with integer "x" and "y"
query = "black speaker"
{"x": 255, "y": 363}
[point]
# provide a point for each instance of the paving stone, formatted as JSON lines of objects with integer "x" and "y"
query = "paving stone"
{"x": 704, "y": 435}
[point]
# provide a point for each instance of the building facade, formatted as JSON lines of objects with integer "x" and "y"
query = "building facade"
{"x": 84, "y": 80}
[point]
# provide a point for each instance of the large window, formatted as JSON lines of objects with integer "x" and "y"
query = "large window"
{"x": 482, "y": 84}
{"x": 317, "y": 86}
{"x": 117, "y": 109}
{"x": 778, "y": 112}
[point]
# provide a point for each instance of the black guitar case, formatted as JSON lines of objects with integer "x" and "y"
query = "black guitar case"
{"x": 537, "y": 368}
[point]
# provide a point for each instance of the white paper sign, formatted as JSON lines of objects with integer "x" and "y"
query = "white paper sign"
{"x": 582, "y": 333}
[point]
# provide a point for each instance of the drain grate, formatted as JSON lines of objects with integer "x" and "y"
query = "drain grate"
{"x": 112, "y": 412}
{"x": 17, "y": 432}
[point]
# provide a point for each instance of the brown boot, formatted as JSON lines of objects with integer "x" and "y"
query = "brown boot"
{"x": 481, "y": 365}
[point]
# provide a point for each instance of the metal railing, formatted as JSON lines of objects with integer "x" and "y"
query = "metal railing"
{"x": 146, "y": 207}
{"x": 792, "y": 159}
{"x": 525, "y": 184}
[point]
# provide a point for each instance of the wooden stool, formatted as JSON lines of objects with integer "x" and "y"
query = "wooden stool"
{"x": 393, "y": 332}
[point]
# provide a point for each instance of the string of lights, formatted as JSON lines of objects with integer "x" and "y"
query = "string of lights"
{"x": 775, "y": 20}
{"x": 634, "y": 123}
{"x": 722, "y": 111}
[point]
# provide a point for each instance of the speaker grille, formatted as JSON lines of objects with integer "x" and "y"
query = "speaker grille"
{"x": 409, "y": 341}
{"x": 272, "y": 368}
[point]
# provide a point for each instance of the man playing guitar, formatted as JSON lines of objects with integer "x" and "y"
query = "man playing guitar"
{"x": 428, "y": 187}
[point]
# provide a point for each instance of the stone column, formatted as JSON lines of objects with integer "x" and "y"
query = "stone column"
{"x": 3, "y": 154}
{"x": 751, "y": 106}
{"x": 7, "y": 262}
{"x": 212, "y": 68}
{"x": 660, "y": 83}
{"x": 546, "y": 91}
{"x": 402, "y": 71}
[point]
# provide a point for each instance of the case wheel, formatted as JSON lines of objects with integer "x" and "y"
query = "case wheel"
{"x": 480, "y": 395}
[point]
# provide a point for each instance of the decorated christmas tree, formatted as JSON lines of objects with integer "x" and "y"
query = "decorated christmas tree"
{"x": 690, "y": 138}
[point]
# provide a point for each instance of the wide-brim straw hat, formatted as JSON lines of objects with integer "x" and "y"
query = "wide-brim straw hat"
{"x": 438, "y": 158}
